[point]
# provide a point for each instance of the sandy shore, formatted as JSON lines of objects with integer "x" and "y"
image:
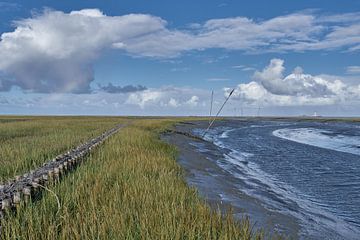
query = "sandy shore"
{"x": 203, "y": 172}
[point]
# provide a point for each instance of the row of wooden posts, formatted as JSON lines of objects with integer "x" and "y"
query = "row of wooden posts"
{"x": 25, "y": 187}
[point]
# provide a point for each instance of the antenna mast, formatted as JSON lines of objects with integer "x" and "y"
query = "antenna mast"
{"x": 211, "y": 105}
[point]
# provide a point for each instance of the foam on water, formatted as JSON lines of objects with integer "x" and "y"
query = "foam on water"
{"x": 321, "y": 138}
{"x": 279, "y": 195}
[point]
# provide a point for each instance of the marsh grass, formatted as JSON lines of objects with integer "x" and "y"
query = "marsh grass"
{"x": 129, "y": 188}
{"x": 28, "y": 142}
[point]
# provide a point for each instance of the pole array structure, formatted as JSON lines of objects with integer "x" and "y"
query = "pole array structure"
{"x": 217, "y": 114}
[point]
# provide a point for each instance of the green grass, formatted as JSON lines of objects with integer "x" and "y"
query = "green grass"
{"x": 129, "y": 188}
{"x": 27, "y": 142}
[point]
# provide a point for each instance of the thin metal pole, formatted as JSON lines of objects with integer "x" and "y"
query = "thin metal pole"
{"x": 211, "y": 105}
{"x": 217, "y": 114}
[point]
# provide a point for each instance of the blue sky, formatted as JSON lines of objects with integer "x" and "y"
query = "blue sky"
{"x": 165, "y": 57}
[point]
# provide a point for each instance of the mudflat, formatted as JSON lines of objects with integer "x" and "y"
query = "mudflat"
{"x": 219, "y": 189}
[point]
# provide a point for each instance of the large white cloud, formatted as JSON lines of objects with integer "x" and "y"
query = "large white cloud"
{"x": 295, "y": 84}
{"x": 269, "y": 87}
{"x": 53, "y": 51}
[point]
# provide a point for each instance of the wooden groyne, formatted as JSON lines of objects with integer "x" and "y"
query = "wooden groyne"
{"x": 187, "y": 134}
{"x": 24, "y": 187}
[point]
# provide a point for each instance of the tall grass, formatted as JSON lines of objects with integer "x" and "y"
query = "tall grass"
{"x": 27, "y": 142}
{"x": 129, "y": 188}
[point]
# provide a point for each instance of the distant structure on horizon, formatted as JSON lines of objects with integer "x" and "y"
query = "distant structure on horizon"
{"x": 315, "y": 115}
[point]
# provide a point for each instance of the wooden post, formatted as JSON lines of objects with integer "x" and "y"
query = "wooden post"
{"x": 27, "y": 194}
{"x": 35, "y": 186}
{"x": 45, "y": 178}
{"x": 5, "y": 205}
{"x": 56, "y": 174}
{"x": 51, "y": 175}
{"x": 65, "y": 166}
{"x": 61, "y": 169}
{"x": 17, "y": 199}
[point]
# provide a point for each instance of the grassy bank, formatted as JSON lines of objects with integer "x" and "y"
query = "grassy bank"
{"x": 129, "y": 188}
{"x": 27, "y": 142}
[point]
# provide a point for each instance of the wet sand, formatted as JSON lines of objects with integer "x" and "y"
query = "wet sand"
{"x": 203, "y": 172}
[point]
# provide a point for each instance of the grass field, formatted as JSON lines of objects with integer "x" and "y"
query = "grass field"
{"x": 27, "y": 142}
{"x": 129, "y": 188}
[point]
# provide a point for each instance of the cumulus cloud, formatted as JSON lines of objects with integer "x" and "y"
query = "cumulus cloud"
{"x": 110, "y": 88}
{"x": 166, "y": 97}
{"x": 271, "y": 87}
{"x": 193, "y": 101}
{"x": 173, "y": 102}
{"x": 295, "y": 84}
{"x": 54, "y": 51}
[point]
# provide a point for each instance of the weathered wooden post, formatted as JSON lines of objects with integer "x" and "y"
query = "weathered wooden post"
{"x": 45, "y": 178}
{"x": 17, "y": 199}
{"x": 27, "y": 194}
{"x": 61, "y": 169}
{"x": 35, "y": 186}
{"x": 5, "y": 204}
{"x": 66, "y": 166}
{"x": 56, "y": 174}
{"x": 51, "y": 175}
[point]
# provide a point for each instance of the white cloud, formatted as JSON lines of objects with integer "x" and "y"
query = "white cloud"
{"x": 238, "y": 66}
{"x": 353, "y": 70}
{"x": 218, "y": 79}
{"x": 166, "y": 97}
{"x": 271, "y": 88}
{"x": 88, "y": 13}
{"x": 295, "y": 84}
{"x": 243, "y": 68}
{"x": 173, "y": 103}
{"x": 8, "y": 6}
{"x": 54, "y": 51}
{"x": 145, "y": 97}
{"x": 184, "y": 101}
{"x": 193, "y": 101}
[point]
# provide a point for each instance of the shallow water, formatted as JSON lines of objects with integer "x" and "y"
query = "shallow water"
{"x": 309, "y": 170}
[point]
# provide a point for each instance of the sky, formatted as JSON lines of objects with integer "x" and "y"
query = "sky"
{"x": 166, "y": 57}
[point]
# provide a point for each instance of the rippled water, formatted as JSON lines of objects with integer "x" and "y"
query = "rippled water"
{"x": 309, "y": 170}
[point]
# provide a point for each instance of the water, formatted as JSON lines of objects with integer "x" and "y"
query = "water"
{"x": 309, "y": 170}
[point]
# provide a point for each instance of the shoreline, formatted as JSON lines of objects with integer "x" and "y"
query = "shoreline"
{"x": 203, "y": 173}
